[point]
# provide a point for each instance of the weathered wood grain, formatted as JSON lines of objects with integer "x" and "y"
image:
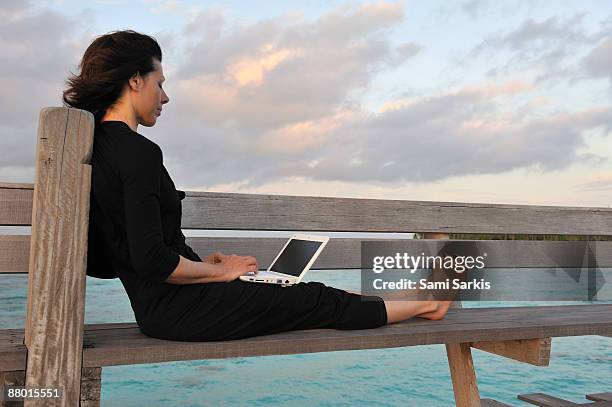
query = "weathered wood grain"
{"x": 123, "y": 343}
{"x": 214, "y": 210}
{"x": 531, "y": 322}
{"x": 14, "y": 253}
{"x": 532, "y": 351}
{"x": 58, "y": 254}
{"x": 12, "y": 355}
{"x": 463, "y": 376}
{"x": 272, "y": 212}
{"x": 16, "y": 204}
{"x": 544, "y": 400}
{"x": 345, "y": 253}
{"x": 91, "y": 385}
{"x": 492, "y": 403}
{"x": 12, "y": 379}
{"x": 600, "y": 396}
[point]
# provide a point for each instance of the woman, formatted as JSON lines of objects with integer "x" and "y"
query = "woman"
{"x": 135, "y": 223}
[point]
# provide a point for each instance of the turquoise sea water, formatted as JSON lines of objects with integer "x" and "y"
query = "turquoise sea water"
{"x": 412, "y": 376}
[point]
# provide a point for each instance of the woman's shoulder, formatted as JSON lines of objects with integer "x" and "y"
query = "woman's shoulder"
{"x": 120, "y": 136}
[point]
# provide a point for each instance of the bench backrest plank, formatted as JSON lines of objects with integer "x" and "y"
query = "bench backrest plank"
{"x": 208, "y": 210}
{"x": 345, "y": 253}
{"x": 217, "y": 211}
{"x": 16, "y": 204}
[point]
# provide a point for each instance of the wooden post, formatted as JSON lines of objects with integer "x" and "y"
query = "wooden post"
{"x": 460, "y": 361}
{"x": 58, "y": 254}
{"x": 13, "y": 379}
{"x": 91, "y": 386}
{"x": 463, "y": 375}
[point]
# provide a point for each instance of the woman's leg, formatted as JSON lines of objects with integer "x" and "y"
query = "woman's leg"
{"x": 239, "y": 309}
{"x": 401, "y": 310}
{"x": 402, "y": 305}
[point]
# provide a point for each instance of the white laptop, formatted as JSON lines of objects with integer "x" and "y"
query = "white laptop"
{"x": 293, "y": 261}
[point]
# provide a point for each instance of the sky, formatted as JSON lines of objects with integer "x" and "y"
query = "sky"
{"x": 463, "y": 101}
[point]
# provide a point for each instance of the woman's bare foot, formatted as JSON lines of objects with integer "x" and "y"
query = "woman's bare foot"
{"x": 442, "y": 308}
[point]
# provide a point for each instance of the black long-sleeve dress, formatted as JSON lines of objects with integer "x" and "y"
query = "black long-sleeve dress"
{"x": 135, "y": 234}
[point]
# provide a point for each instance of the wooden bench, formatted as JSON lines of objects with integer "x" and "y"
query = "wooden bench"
{"x": 54, "y": 256}
{"x": 544, "y": 400}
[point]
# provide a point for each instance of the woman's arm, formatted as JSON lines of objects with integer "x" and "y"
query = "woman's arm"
{"x": 227, "y": 269}
{"x": 139, "y": 164}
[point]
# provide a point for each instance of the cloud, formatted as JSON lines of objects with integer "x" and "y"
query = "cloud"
{"x": 280, "y": 71}
{"x": 421, "y": 140}
{"x": 539, "y": 34}
{"x": 299, "y": 138}
{"x": 551, "y": 47}
{"x": 498, "y": 89}
{"x": 245, "y": 92}
{"x": 258, "y": 103}
{"x": 438, "y": 137}
{"x": 595, "y": 182}
{"x": 598, "y": 63}
{"x": 38, "y": 48}
{"x": 473, "y": 8}
{"x": 533, "y": 37}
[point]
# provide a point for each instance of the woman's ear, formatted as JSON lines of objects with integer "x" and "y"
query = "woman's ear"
{"x": 136, "y": 81}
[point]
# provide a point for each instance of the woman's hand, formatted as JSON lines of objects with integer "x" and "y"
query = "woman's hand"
{"x": 234, "y": 266}
{"x": 214, "y": 258}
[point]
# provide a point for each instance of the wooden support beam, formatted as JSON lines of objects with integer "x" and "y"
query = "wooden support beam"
{"x": 532, "y": 351}
{"x": 13, "y": 379}
{"x": 463, "y": 375}
{"x": 91, "y": 385}
{"x": 58, "y": 254}
{"x": 460, "y": 361}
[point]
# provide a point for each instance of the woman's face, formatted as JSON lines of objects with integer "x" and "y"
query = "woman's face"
{"x": 150, "y": 97}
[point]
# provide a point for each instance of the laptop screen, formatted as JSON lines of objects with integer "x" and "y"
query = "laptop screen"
{"x": 295, "y": 257}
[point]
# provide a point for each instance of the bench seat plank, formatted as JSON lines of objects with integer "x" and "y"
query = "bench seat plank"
{"x": 544, "y": 400}
{"x": 492, "y": 403}
{"x": 600, "y": 396}
{"x": 123, "y": 343}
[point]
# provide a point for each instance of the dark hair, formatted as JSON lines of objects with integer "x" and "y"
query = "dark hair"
{"x": 108, "y": 63}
